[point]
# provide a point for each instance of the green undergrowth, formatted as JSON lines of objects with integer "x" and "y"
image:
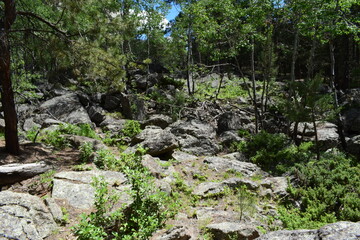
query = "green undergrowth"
{"x": 325, "y": 190}
{"x": 148, "y": 211}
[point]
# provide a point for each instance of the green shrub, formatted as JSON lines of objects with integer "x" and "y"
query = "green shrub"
{"x": 148, "y": 211}
{"x": 274, "y": 153}
{"x": 329, "y": 191}
{"x": 86, "y": 151}
{"x": 56, "y": 138}
{"x": 131, "y": 128}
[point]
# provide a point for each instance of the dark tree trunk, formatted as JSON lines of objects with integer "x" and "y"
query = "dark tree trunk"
{"x": 7, "y": 94}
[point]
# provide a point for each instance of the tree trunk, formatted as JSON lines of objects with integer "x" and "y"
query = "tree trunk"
{"x": 7, "y": 94}
{"x": 336, "y": 101}
{"x": 254, "y": 84}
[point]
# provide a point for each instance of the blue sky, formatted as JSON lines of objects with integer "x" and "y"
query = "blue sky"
{"x": 174, "y": 11}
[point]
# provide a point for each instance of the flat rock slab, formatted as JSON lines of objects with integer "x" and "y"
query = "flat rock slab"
{"x": 24, "y": 216}
{"x": 233, "y": 230}
{"x": 338, "y": 231}
{"x": 76, "y": 187}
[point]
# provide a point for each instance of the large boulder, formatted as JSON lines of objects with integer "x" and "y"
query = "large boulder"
{"x": 75, "y": 187}
{"x": 24, "y": 216}
{"x": 232, "y": 121}
{"x": 353, "y": 145}
{"x": 66, "y": 108}
{"x": 195, "y": 137}
{"x": 233, "y": 230}
{"x": 156, "y": 140}
{"x": 352, "y": 120}
{"x": 223, "y": 164}
{"x": 338, "y": 231}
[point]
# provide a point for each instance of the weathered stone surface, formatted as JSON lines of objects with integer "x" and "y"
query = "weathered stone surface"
{"x": 24, "y": 216}
{"x": 233, "y": 230}
{"x": 208, "y": 188}
{"x": 159, "y": 120}
{"x": 156, "y": 140}
{"x": 76, "y": 189}
{"x": 96, "y": 114}
{"x": 229, "y": 137}
{"x": 77, "y": 141}
{"x": 206, "y": 213}
{"x": 15, "y": 172}
{"x": 55, "y": 210}
{"x": 352, "y": 120}
{"x": 29, "y": 124}
{"x": 237, "y": 182}
{"x": 229, "y": 121}
{"x": 66, "y": 108}
{"x": 113, "y": 125}
{"x": 224, "y": 164}
{"x": 353, "y": 145}
{"x": 182, "y": 156}
{"x": 278, "y": 185}
{"x": 333, "y": 231}
{"x": 175, "y": 233}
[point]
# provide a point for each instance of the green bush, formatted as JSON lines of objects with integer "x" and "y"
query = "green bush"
{"x": 141, "y": 218}
{"x": 56, "y": 138}
{"x": 131, "y": 128}
{"x": 274, "y": 153}
{"x": 86, "y": 151}
{"x": 328, "y": 191}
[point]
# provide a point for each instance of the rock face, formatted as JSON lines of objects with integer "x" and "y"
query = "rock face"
{"x": 24, "y": 216}
{"x": 66, "y": 108}
{"x": 338, "y": 231}
{"x": 76, "y": 189}
{"x": 156, "y": 140}
{"x": 223, "y": 164}
{"x": 195, "y": 137}
{"x": 352, "y": 120}
{"x": 230, "y": 230}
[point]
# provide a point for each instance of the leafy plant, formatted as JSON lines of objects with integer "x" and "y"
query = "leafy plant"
{"x": 131, "y": 128}
{"x": 274, "y": 153}
{"x": 246, "y": 201}
{"x": 329, "y": 191}
{"x": 86, "y": 151}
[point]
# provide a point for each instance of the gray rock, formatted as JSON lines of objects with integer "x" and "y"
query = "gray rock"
{"x": 352, "y": 120}
{"x": 156, "y": 140}
{"x": 340, "y": 231}
{"x": 96, "y": 114}
{"x": 206, "y": 189}
{"x": 113, "y": 125}
{"x": 237, "y": 182}
{"x": 333, "y": 231}
{"x": 278, "y": 185}
{"x": 229, "y": 121}
{"x": 66, "y": 108}
{"x": 111, "y": 102}
{"x": 206, "y": 213}
{"x": 353, "y": 145}
{"x": 77, "y": 141}
{"x": 223, "y": 164}
{"x": 175, "y": 233}
{"x": 29, "y": 124}
{"x": 194, "y": 128}
{"x": 291, "y": 235}
{"x": 182, "y": 156}
{"x": 76, "y": 189}
{"x": 229, "y": 137}
{"x": 24, "y": 216}
{"x": 233, "y": 230}
{"x": 54, "y": 209}
{"x": 159, "y": 120}
{"x": 326, "y": 133}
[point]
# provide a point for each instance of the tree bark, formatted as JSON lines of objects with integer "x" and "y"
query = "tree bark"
{"x": 7, "y": 94}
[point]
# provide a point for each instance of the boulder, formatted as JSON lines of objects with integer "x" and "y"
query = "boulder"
{"x": 174, "y": 233}
{"x": 159, "y": 120}
{"x": 338, "y": 231}
{"x": 223, "y": 164}
{"x": 66, "y": 108}
{"x": 96, "y": 114}
{"x": 229, "y": 121}
{"x": 24, "y": 216}
{"x": 77, "y": 141}
{"x": 182, "y": 156}
{"x": 233, "y": 230}
{"x": 352, "y": 120}
{"x": 156, "y": 140}
{"x": 112, "y": 125}
{"x": 195, "y": 137}
{"x": 278, "y": 185}
{"x": 353, "y": 145}
{"x": 75, "y": 187}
